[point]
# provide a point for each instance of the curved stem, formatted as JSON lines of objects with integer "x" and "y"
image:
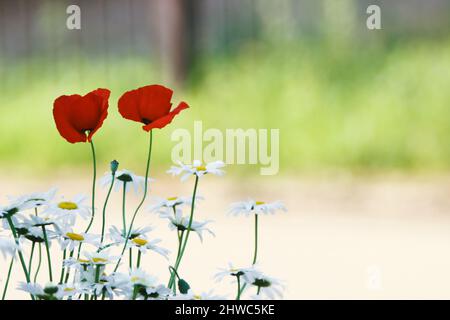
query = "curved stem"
{"x": 39, "y": 263}
{"x": 142, "y": 201}
{"x": 104, "y": 207}
{"x": 49, "y": 259}
{"x": 191, "y": 218}
{"x": 255, "y": 255}
{"x": 124, "y": 220}
{"x": 22, "y": 260}
{"x": 7, "y": 278}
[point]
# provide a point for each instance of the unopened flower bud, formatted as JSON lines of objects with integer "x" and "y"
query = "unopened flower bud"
{"x": 114, "y": 166}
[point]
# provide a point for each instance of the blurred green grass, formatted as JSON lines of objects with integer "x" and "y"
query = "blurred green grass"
{"x": 363, "y": 109}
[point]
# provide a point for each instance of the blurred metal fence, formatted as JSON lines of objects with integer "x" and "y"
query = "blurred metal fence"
{"x": 177, "y": 31}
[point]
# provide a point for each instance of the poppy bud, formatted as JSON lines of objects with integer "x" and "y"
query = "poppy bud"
{"x": 114, "y": 166}
{"x": 183, "y": 286}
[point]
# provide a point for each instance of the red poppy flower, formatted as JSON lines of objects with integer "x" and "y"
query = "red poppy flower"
{"x": 78, "y": 117}
{"x": 149, "y": 105}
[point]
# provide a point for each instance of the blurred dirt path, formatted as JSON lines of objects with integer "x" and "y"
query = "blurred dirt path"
{"x": 343, "y": 237}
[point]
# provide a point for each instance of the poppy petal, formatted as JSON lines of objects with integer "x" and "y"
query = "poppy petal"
{"x": 101, "y": 96}
{"x": 129, "y": 105}
{"x": 165, "y": 120}
{"x": 61, "y": 113}
{"x": 154, "y": 102}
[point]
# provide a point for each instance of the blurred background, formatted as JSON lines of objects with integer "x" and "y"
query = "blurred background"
{"x": 364, "y": 119}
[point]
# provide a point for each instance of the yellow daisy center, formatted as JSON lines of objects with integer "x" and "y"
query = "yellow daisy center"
{"x": 140, "y": 242}
{"x": 197, "y": 297}
{"x": 259, "y": 203}
{"x": 172, "y": 198}
{"x": 83, "y": 261}
{"x": 98, "y": 260}
{"x": 134, "y": 279}
{"x": 69, "y": 289}
{"x": 74, "y": 236}
{"x": 67, "y": 205}
{"x": 201, "y": 168}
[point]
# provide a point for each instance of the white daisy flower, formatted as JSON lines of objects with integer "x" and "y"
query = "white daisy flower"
{"x": 197, "y": 168}
{"x": 34, "y": 233}
{"x": 181, "y": 223}
{"x": 140, "y": 277}
{"x": 37, "y": 221}
{"x": 246, "y": 274}
{"x": 68, "y": 239}
{"x": 270, "y": 287}
{"x": 35, "y": 199}
{"x": 143, "y": 245}
{"x": 67, "y": 211}
{"x": 14, "y": 207}
{"x": 125, "y": 176}
{"x": 78, "y": 264}
{"x": 103, "y": 286}
{"x": 48, "y": 292}
{"x": 159, "y": 292}
{"x": 100, "y": 258}
{"x": 139, "y": 284}
{"x": 166, "y": 206}
{"x": 138, "y": 239}
{"x": 8, "y": 247}
{"x": 117, "y": 236}
{"x": 190, "y": 295}
{"x": 69, "y": 290}
{"x": 255, "y": 207}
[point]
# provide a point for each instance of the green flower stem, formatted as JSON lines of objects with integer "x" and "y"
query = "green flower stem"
{"x": 130, "y": 263}
{"x": 135, "y": 292}
{"x": 22, "y": 260}
{"x": 94, "y": 177}
{"x": 49, "y": 259}
{"x": 138, "y": 264}
{"x": 180, "y": 241}
{"x": 97, "y": 279}
{"x": 104, "y": 207}
{"x": 255, "y": 255}
{"x": 31, "y": 257}
{"x": 124, "y": 220}
{"x": 7, "y": 278}
{"x": 39, "y": 263}
{"x": 238, "y": 297}
{"x": 68, "y": 270}
{"x": 61, "y": 278}
{"x": 142, "y": 201}
{"x": 183, "y": 248}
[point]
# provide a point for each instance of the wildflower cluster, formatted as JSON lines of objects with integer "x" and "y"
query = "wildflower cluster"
{"x": 108, "y": 265}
